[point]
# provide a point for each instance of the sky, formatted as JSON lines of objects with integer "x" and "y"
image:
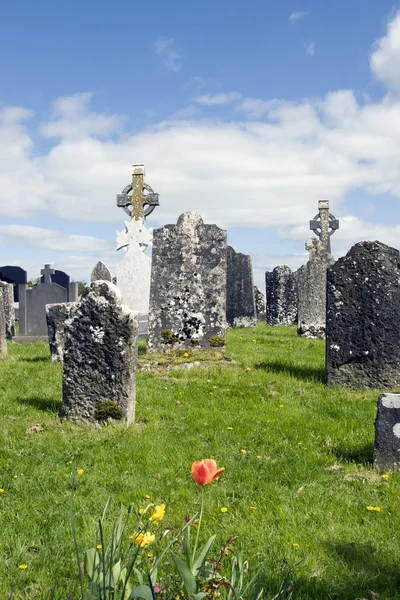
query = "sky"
{"x": 246, "y": 112}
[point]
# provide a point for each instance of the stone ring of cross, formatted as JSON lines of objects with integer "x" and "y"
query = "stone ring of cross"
{"x": 149, "y": 198}
{"x": 316, "y": 227}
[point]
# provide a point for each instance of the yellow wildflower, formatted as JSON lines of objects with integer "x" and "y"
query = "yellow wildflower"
{"x": 224, "y": 510}
{"x": 248, "y": 368}
{"x": 211, "y": 393}
{"x": 227, "y": 390}
{"x": 99, "y": 546}
{"x": 253, "y": 507}
{"x": 230, "y": 428}
{"x": 150, "y": 555}
{"x": 253, "y": 340}
{"x": 214, "y": 387}
{"x": 141, "y": 511}
{"x": 69, "y": 462}
{"x": 258, "y": 457}
{"x": 374, "y": 508}
{"x": 281, "y": 405}
{"x": 147, "y": 497}
{"x": 1, "y": 491}
{"x": 158, "y": 513}
{"x": 186, "y": 354}
{"x": 22, "y": 567}
{"x": 385, "y": 476}
{"x": 295, "y": 545}
{"x": 80, "y": 471}
{"x": 15, "y": 476}
{"x": 243, "y": 451}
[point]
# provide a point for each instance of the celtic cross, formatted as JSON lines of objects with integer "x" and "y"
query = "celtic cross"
{"x": 138, "y": 195}
{"x": 324, "y": 224}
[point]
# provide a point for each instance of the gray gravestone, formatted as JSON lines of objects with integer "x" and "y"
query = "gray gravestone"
{"x": 363, "y": 325}
{"x": 281, "y": 296}
{"x": 56, "y": 316}
{"x": 311, "y": 292}
{"x": 3, "y": 340}
{"x": 260, "y": 304}
{"x": 100, "y": 357}
{"x": 188, "y": 285}
{"x": 387, "y": 433}
{"x": 240, "y": 300}
{"x": 9, "y": 310}
{"x": 101, "y": 272}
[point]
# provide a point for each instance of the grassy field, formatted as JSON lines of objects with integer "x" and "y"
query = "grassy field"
{"x": 265, "y": 416}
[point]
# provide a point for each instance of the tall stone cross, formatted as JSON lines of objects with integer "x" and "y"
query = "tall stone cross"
{"x": 47, "y": 272}
{"x": 138, "y": 195}
{"x": 324, "y": 224}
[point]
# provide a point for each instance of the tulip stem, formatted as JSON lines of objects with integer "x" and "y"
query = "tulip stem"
{"x": 198, "y": 528}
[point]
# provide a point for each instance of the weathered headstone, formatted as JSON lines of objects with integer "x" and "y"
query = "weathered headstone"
{"x": 240, "y": 300}
{"x": 188, "y": 285}
{"x": 363, "y": 325}
{"x": 281, "y": 296}
{"x": 3, "y": 340}
{"x": 260, "y": 304}
{"x": 7, "y": 290}
{"x": 56, "y": 316}
{"x": 101, "y": 272}
{"x": 311, "y": 292}
{"x": 100, "y": 356}
{"x": 387, "y": 433}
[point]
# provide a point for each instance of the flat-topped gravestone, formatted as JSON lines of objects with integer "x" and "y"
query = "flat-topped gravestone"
{"x": 363, "y": 325}
{"x": 387, "y": 433}
{"x": 240, "y": 299}
{"x": 9, "y": 310}
{"x": 311, "y": 292}
{"x": 260, "y": 304}
{"x": 188, "y": 285}
{"x": 3, "y": 340}
{"x": 101, "y": 272}
{"x": 56, "y": 316}
{"x": 281, "y": 296}
{"x": 100, "y": 357}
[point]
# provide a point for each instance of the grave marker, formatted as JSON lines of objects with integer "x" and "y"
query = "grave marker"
{"x": 387, "y": 433}
{"x": 281, "y": 296}
{"x": 240, "y": 300}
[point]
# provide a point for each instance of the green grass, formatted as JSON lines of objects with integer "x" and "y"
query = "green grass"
{"x": 291, "y": 426}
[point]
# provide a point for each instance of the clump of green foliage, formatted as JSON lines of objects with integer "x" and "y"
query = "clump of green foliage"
{"x": 195, "y": 342}
{"x": 107, "y": 410}
{"x": 217, "y": 341}
{"x": 168, "y": 337}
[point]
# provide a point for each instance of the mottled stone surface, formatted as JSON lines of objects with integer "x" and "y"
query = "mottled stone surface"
{"x": 311, "y": 292}
{"x": 188, "y": 284}
{"x": 363, "y": 325}
{"x": 9, "y": 311}
{"x": 281, "y": 296}
{"x": 387, "y": 432}
{"x": 260, "y": 303}
{"x": 101, "y": 272}
{"x": 56, "y": 315}
{"x": 100, "y": 356}
{"x": 3, "y": 340}
{"x": 240, "y": 300}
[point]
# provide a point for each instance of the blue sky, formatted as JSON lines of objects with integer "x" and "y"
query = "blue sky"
{"x": 246, "y": 112}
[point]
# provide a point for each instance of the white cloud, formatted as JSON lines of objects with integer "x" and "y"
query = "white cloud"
{"x": 218, "y": 99}
{"x": 255, "y": 108}
{"x": 52, "y": 239}
{"x": 296, "y": 16}
{"x": 310, "y": 50}
{"x": 195, "y": 83}
{"x": 385, "y": 58}
{"x": 185, "y": 113}
{"x": 170, "y": 58}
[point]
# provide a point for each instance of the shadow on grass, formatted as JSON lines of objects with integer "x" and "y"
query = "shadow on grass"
{"x": 304, "y": 372}
{"x": 36, "y": 359}
{"x": 44, "y": 404}
{"x": 362, "y": 454}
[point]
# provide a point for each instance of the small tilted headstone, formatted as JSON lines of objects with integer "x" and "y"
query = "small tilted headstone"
{"x": 101, "y": 272}
{"x": 100, "y": 357}
{"x": 281, "y": 296}
{"x": 363, "y": 325}
{"x": 188, "y": 285}
{"x": 240, "y": 299}
{"x": 56, "y": 316}
{"x": 3, "y": 340}
{"x": 9, "y": 310}
{"x": 260, "y": 303}
{"x": 387, "y": 433}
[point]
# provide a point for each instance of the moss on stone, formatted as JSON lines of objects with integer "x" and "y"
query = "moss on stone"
{"x": 217, "y": 341}
{"x": 107, "y": 410}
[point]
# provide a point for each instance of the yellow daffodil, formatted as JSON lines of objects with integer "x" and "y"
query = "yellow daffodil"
{"x": 158, "y": 513}
{"x": 147, "y": 539}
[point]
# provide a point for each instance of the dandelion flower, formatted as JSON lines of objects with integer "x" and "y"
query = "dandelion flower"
{"x": 227, "y": 390}
{"x": 281, "y": 405}
{"x": 374, "y": 508}
{"x": 80, "y": 471}
{"x": 253, "y": 507}
{"x": 385, "y": 476}
{"x": 22, "y": 567}
{"x": 230, "y": 428}
{"x": 258, "y": 457}
{"x": 214, "y": 387}
{"x": 243, "y": 451}
{"x": 253, "y": 340}
{"x": 69, "y": 462}
{"x": 1, "y": 491}
{"x": 186, "y": 354}
{"x": 295, "y": 545}
{"x": 99, "y": 546}
{"x": 15, "y": 476}
{"x": 158, "y": 513}
{"x": 248, "y": 368}
{"x": 224, "y": 509}
{"x": 147, "y": 497}
{"x": 150, "y": 555}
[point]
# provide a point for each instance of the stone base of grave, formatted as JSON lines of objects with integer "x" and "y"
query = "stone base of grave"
{"x": 30, "y": 339}
{"x": 387, "y": 433}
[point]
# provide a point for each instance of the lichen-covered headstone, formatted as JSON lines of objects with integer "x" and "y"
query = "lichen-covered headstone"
{"x": 188, "y": 285}
{"x": 387, "y": 432}
{"x": 363, "y": 324}
{"x": 7, "y": 290}
{"x": 100, "y": 356}
{"x": 260, "y": 304}
{"x": 240, "y": 300}
{"x": 3, "y": 340}
{"x": 281, "y": 296}
{"x": 101, "y": 272}
{"x": 56, "y": 316}
{"x": 311, "y": 292}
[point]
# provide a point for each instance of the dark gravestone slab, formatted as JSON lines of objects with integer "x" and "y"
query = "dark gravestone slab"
{"x": 58, "y": 277}
{"x": 56, "y": 316}
{"x": 387, "y": 433}
{"x": 363, "y": 324}
{"x": 100, "y": 356}
{"x": 188, "y": 284}
{"x": 260, "y": 303}
{"x": 240, "y": 300}
{"x": 15, "y": 275}
{"x": 7, "y": 289}
{"x": 311, "y": 291}
{"x": 281, "y": 296}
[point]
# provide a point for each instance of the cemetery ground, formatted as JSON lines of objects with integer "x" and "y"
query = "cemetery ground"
{"x": 298, "y": 483}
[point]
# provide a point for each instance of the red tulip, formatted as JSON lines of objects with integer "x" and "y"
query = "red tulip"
{"x": 205, "y": 471}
